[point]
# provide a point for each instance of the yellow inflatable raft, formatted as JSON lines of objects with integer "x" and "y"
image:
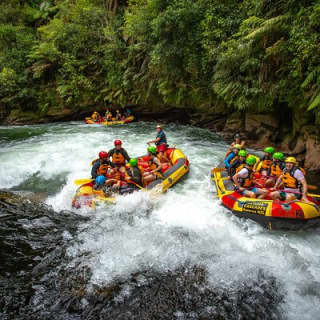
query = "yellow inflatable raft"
{"x": 272, "y": 214}
{"x": 87, "y": 196}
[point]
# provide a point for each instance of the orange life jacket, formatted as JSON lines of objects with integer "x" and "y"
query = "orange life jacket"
{"x": 94, "y": 161}
{"x": 264, "y": 164}
{"x": 289, "y": 180}
{"x": 247, "y": 182}
{"x": 118, "y": 158}
{"x": 103, "y": 169}
{"x": 163, "y": 158}
{"x": 153, "y": 166}
{"x": 275, "y": 170}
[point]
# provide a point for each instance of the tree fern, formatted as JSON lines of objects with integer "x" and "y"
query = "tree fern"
{"x": 315, "y": 103}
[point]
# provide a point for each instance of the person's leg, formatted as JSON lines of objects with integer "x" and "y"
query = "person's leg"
{"x": 290, "y": 197}
{"x": 261, "y": 193}
{"x": 249, "y": 194}
{"x": 148, "y": 178}
{"x": 270, "y": 183}
{"x": 275, "y": 195}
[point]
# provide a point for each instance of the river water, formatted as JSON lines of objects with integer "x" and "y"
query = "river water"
{"x": 186, "y": 225}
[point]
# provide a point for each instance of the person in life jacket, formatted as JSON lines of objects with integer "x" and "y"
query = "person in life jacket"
{"x": 238, "y": 164}
{"x": 95, "y": 116}
{"x": 108, "y": 115}
{"x": 243, "y": 180}
{"x": 294, "y": 182}
{"x": 101, "y": 165}
{"x": 275, "y": 171}
{"x": 265, "y": 162}
{"x": 116, "y": 179}
{"x": 160, "y": 141}
{"x": 118, "y": 115}
{"x": 236, "y": 141}
{"x": 118, "y": 155}
{"x": 155, "y": 167}
{"x": 233, "y": 156}
{"x": 133, "y": 173}
{"x": 100, "y": 187}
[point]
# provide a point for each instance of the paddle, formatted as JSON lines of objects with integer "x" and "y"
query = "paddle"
{"x": 132, "y": 182}
{"x": 79, "y": 182}
{"x": 216, "y": 170}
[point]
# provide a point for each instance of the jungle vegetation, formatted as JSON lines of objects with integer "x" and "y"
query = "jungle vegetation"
{"x": 252, "y": 55}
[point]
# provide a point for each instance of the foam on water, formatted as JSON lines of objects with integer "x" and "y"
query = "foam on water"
{"x": 186, "y": 225}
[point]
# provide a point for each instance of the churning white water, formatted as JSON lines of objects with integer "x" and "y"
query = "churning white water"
{"x": 185, "y": 225}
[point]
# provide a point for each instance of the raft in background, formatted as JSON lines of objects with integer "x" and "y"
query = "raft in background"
{"x": 87, "y": 196}
{"x": 89, "y": 120}
{"x": 115, "y": 122}
{"x": 272, "y": 214}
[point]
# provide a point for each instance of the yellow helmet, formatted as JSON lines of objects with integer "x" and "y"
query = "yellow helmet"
{"x": 291, "y": 159}
{"x": 237, "y": 146}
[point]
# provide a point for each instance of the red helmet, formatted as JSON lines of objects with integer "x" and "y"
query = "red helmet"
{"x": 103, "y": 154}
{"x": 117, "y": 143}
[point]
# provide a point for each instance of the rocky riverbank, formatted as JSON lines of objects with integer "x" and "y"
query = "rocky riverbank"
{"x": 293, "y": 136}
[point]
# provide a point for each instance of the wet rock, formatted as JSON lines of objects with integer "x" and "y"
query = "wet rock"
{"x": 261, "y": 129}
{"x": 312, "y": 143}
{"x": 29, "y": 231}
{"x": 39, "y": 279}
{"x": 234, "y": 123}
{"x": 184, "y": 293}
{"x": 293, "y": 145}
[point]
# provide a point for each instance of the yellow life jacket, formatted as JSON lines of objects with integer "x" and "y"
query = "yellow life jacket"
{"x": 240, "y": 167}
{"x": 118, "y": 158}
{"x": 233, "y": 159}
{"x": 247, "y": 182}
{"x": 289, "y": 180}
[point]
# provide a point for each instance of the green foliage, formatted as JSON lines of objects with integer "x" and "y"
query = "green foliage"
{"x": 248, "y": 55}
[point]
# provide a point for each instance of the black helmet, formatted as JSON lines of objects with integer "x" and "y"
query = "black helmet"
{"x": 237, "y": 135}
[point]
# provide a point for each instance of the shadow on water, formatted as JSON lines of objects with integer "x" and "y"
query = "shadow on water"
{"x": 8, "y": 134}
{"x": 36, "y": 183}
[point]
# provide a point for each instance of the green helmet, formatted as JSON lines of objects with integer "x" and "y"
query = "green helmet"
{"x": 278, "y": 156}
{"x": 237, "y": 146}
{"x": 242, "y": 153}
{"x": 152, "y": 149}
{"x": 251, "y": 160}
{"x": 269, "y": 150}
{"x": 133, "y": 162}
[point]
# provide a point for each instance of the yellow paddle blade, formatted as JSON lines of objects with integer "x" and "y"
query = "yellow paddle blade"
{"x": 224, "y": 178}
{"x": 312, "y": 187}
{"x": 215, "y": 170}
{"x": 79, "y": 182}
{"x": 314, "y": 195}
